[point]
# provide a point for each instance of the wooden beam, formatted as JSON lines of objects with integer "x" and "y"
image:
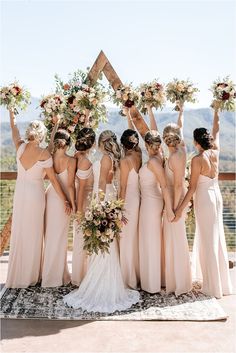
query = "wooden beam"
{"x": 97, "y": 68}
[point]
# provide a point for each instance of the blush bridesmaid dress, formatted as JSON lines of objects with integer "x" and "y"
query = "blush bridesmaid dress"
{"x": 210, "y": 257}
{"x": 150, "y": 231}
{"x": 129, "y": 261}
{"x": 55, "y": 269}
{"x": 178, "y": 275}
{"x": 27, "y": 224}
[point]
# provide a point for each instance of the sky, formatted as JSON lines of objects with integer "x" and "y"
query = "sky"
{"x": 143, "y": 40}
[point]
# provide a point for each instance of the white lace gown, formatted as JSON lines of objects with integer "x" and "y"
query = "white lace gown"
{"x": 103, "y": 289}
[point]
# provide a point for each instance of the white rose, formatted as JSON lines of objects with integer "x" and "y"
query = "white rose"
{"x": 190, "y": 89}
{"x": 14, "y": 91}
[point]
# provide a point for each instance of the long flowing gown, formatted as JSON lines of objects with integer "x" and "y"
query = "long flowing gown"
{"x": 27, "y": 224}
{"x": 79, "y": 257}
{"x": 150, "y": 231}
{"x": 102, "y": 289}
{"x": 177, "y": 258}
{"x": 129, "y": 259}
{"x": 55, "y": 269}
{"x": 210, "y": 258}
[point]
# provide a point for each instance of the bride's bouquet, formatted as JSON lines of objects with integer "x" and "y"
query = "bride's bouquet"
{"x": 151, "y": 93}
{"x": 224, "y": 92}
{"x": 125, "y": 96}
{"x": 180, "y": 91}
{"x": 80, "y": 96}
{"x": 101, "y": 224}
{"x": 14, "y": 96}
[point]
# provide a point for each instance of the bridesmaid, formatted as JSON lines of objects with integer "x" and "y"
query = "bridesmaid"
{"x": 153, "y": 190}
{"x": 129, "y": 192}
{"x": 29, "y": 205}
{"x": 84, "y": 186}
{"x": 209, "y": 243}
{"x": 177, "y": 259}
{"x": 55, "y": 269}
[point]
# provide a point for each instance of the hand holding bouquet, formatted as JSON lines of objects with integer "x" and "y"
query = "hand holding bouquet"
{"x": 101, "y": 224}
{"x": 180, "y": 91}
{"x": 14, "y": 96}
{"x": 224, "y": 94}
{"x": 151, "y": 94}
{"x": 125, "y": 96}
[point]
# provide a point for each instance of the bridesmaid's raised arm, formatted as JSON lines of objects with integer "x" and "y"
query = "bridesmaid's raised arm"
{"x": 195, "y": 173}
{"x": 54, "y": 130}
{"x": 153, "y": 123}
{"x": 15, "y": 131}
{"x": 180, "y": 123}
{"x": 216, "y": 126}
{"x": 129, "y": 118}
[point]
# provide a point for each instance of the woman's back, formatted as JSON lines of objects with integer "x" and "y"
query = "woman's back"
{"x": 209, "y": 163}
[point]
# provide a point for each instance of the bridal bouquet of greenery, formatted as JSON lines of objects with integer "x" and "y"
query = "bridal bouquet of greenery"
{"x": 14, "y": 96}
{"x": 151, "y": 93}
{"x": 101, "y": 224}
{"x": 224, "y": 92}
{"x": 125, "y": 96}
{"x": 180, "y": 91}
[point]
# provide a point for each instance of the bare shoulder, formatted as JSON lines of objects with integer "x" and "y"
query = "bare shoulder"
{"x": 154, "y": 163}
{"x": 124, "y": 162}
{"x": 106, "y": 160}
{"x": 45, "y": 154}
{"x": 72, "y": 162}
{"x": 197, "y": 160}
{"x": 84, "y": 164}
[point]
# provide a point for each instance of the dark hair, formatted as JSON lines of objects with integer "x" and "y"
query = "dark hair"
{"x": 129, "y": 139}
{"x": 85, "y": 139}
{"x": 153, "y": 139}
{"x": 61, "y": 139}
{"x": 203, "y": 137}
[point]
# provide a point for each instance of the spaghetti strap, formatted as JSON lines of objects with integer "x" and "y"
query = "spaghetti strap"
{"x": 211, "y": 163}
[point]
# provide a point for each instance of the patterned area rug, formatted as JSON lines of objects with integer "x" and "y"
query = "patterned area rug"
{"x": 46, "y": 303}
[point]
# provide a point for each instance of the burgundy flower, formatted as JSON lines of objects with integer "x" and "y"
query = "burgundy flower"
{"x": 42, "y": 104}
{"x": 225, "y": 96}
{"x": 71, "y": 99}
{"x": 235, "y": 95}
{"x": 17, "y": 89}
{"x": 158, "y": 86}
{"x": 142, "y": 93}
{"x": 129, "y": 103}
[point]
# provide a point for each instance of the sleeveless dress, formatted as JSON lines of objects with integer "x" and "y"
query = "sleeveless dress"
{"x": 210, "y": 258}
{"x": 129, "y": 259}
{"x": 102, "y": 289}
{"x": 150, "y": 231}
{"x": 79, "y": 256}
{"x": 27, "y": 224}
{"x": 177, "y": 258}
{"x": 55, "y": 269}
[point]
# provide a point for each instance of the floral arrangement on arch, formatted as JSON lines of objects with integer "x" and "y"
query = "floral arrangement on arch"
{"x": 181, "y": 91}
{"x": 81, "y": 98}
{"x": 126, "y": 96}
{"x": 224, "y": 91}
{"x": 151, "y": 93}
{"x": 101, "y": 224}
{"x": 14, "y": 96}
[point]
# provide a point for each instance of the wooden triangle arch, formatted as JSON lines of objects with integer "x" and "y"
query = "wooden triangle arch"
{"x": 102, "y": 64}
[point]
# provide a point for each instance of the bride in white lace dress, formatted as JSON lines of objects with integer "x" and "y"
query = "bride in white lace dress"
{"x": 103, "y": 289}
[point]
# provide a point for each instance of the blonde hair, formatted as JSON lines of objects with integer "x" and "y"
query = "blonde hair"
{"x": 108, "y": 142}
{"x": 153, "y": 140}
{"x": 36, "y": 131}
{"x": 172, "y": 135}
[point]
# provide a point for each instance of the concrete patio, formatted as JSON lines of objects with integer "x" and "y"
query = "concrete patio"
{"x": 93, "y": 336}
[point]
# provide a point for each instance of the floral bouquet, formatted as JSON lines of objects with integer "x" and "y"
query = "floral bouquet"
{"x": 14, "y": 96}
{"x": 52, "y": 105}
{"x": 224, "y": 91}
{"x": 151, "y": 93}
{"x": 80, "y": 96}
{"x": 101, "y": 224}
{"x": 180, "y": 91}
{"x": 125, "y": 96}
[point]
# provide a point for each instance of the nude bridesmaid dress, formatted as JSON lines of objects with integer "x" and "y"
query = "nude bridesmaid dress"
{"x": 55, "y": 269}
{"x": 177, "y": 259}
{"x": 150, "y": 231}
{"x": 79, "y": 257}
{"x": 129, "y": 261}
{"x": 27, "y": 224}
{"x": 210, "y": 258}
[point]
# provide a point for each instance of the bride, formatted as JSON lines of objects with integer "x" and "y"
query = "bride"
{"x": 102, "y": 289}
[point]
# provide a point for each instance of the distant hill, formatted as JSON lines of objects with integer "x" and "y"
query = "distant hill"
{"x": 193, "y": 118}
